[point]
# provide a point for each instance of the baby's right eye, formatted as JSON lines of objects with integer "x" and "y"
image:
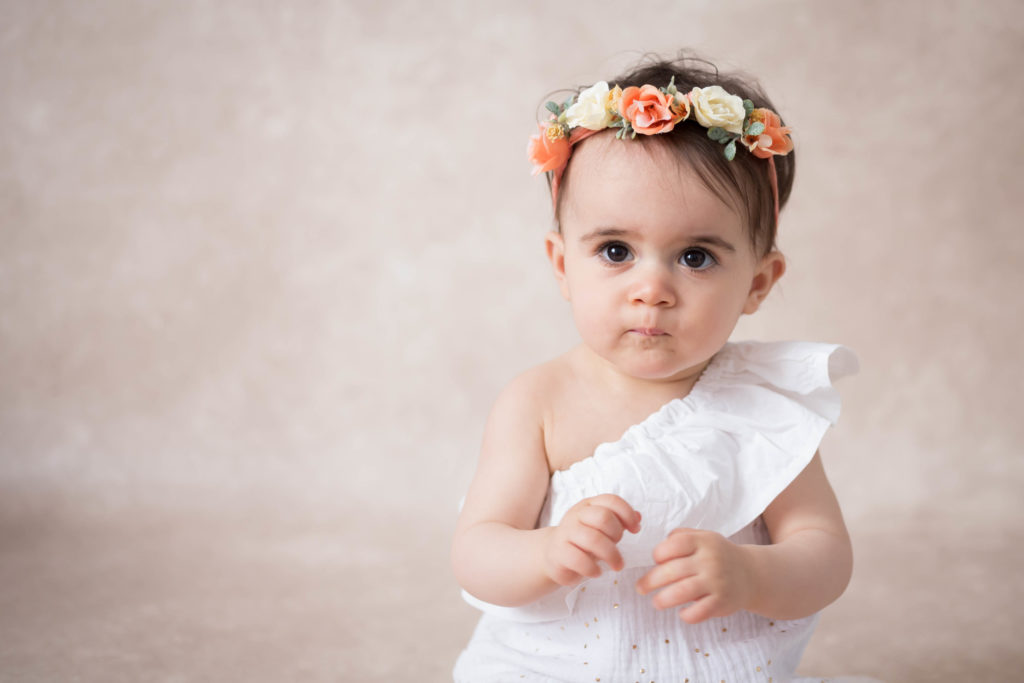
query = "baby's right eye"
{"x": 615, "y": 252}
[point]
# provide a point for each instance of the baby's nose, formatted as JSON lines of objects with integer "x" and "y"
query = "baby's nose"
{"x": 653, "y": 286}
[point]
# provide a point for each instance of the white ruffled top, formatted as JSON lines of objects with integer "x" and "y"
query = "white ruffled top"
{"x": 714, "y": 459}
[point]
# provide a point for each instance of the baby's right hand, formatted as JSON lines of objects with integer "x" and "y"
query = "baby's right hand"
{"x": 587, "y": 533}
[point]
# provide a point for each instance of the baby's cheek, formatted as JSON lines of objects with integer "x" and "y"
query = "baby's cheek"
{"x": 592, "y": 319}
{"x": 719, "y": 314}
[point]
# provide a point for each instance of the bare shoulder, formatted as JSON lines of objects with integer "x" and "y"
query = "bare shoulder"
{"x": 512, "y": 473}
{"x": 533, "y": 393}
{"x": 530, "y": 399}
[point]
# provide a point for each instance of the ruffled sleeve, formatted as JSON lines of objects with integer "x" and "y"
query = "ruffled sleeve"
{"x": 716, "y": 458}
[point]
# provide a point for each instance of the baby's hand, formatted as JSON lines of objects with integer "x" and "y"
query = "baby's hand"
{"x": 588, "y": 533}
{"x": 699, "y": 567}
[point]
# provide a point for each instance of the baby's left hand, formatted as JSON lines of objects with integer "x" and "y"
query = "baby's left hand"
{"x": 699, "y": 567}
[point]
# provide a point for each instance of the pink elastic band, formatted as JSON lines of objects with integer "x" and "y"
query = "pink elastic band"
{"x": 577, "y": 136}
{"x": 775, "y": 188}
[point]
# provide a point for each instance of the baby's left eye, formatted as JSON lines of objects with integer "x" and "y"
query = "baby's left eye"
{"x": 697, "y": 259}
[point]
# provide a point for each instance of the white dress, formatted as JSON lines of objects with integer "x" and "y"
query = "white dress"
{"x": 712, "y": 460}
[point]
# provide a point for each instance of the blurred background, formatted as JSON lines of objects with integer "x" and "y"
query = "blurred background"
{"x": 265, "y": 266}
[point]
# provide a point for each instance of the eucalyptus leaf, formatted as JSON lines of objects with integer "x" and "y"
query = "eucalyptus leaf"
{"x": 553, "y": 108}
{"x": 730, "y": 150}
{"x": 748, "y": 106}
{"x": 756, "y": 128}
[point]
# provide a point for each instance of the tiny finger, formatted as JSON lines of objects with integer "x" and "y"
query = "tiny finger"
{"x": 679, "y": 593}
{"x": 700, "y": 610}
{"x": 662, "y": 575}
{"x": 581, "y": 562}
{"x": 604, "y": 520}
{"x": 598, "y": 545}
{"x": 679, "y": 543}
{"x": 629, "y": 517}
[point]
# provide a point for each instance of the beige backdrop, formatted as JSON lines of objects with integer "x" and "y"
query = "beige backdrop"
{"x": 264, "y": 267}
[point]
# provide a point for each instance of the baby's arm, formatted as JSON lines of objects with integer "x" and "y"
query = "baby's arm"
{"x": 806, "y": 567}
{"x": 497, "y": 554}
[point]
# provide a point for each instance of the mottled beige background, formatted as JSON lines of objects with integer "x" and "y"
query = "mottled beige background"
{"x": 264, "y": 267}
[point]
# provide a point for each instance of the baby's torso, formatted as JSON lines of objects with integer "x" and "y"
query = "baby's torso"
{"x": 714, "y": 458}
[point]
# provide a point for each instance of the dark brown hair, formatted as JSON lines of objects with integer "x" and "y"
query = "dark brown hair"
{"x": 744, "y": 182}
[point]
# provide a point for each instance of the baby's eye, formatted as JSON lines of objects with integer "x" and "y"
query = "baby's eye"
{"x": 616, "y": 252}
{"x": 697, "y": 259}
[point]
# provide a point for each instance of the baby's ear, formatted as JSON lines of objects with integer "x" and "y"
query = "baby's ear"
{"x": 554, "y": 243}
{"x": 772, "y": 266}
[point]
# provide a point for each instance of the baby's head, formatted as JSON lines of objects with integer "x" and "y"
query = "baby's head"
{"x": 743, "y": 178}
{"x": 666, "y": 238}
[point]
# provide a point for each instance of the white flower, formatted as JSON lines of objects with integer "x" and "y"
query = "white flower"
{"x": 713, "y": 106}
{"x": 591, "y": 108}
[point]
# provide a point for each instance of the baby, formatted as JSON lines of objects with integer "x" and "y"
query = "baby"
{"x": 651, "y": 505}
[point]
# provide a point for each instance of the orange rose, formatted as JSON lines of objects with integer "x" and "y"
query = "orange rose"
{"x": 550, "y": 150}
{"x": 648, "y": 110}
{"x": 773, "y": 140}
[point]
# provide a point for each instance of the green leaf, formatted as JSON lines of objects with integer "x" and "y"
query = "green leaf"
{"x": 671, "y": 89}
{"x": 748, "y": 106}
{"x": 553, "y": 108}
{"x": 756, "y": 128}
{"x": 717, "y": 134}
{"x": 730, "y": 150}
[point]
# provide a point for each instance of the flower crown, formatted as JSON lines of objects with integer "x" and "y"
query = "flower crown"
{"x": 649, "y": 110}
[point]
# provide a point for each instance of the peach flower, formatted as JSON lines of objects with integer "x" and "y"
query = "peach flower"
{"x": 680, "y": 106}
{"x": 648, "y": 110}
{"x": 550, "y": 149}
{"x": 773, "y": 140}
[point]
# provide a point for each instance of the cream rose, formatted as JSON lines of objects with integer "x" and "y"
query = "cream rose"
{"x": 713, "y": 106}
{"x": 591, "y": 108}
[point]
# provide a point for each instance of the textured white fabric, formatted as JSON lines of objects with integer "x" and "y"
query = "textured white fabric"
{"x": 712, "y": 460}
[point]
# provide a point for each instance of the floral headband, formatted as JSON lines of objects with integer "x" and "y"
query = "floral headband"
{"x": 649, "y": 110}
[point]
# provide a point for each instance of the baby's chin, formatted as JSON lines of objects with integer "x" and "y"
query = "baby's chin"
{"x": 660, "y": 368}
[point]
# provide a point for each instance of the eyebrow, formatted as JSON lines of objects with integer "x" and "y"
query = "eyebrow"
{"x": 711, "y": 240}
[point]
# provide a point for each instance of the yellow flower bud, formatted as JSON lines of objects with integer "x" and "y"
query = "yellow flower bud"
{"x": 614, "y": 95}
{"x": 554, "y": 132}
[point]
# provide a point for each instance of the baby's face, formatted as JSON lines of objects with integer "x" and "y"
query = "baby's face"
{"x": 656, "y": 267}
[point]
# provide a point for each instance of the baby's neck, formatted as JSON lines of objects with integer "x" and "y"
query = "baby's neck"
{"x": 606, "y": 376}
